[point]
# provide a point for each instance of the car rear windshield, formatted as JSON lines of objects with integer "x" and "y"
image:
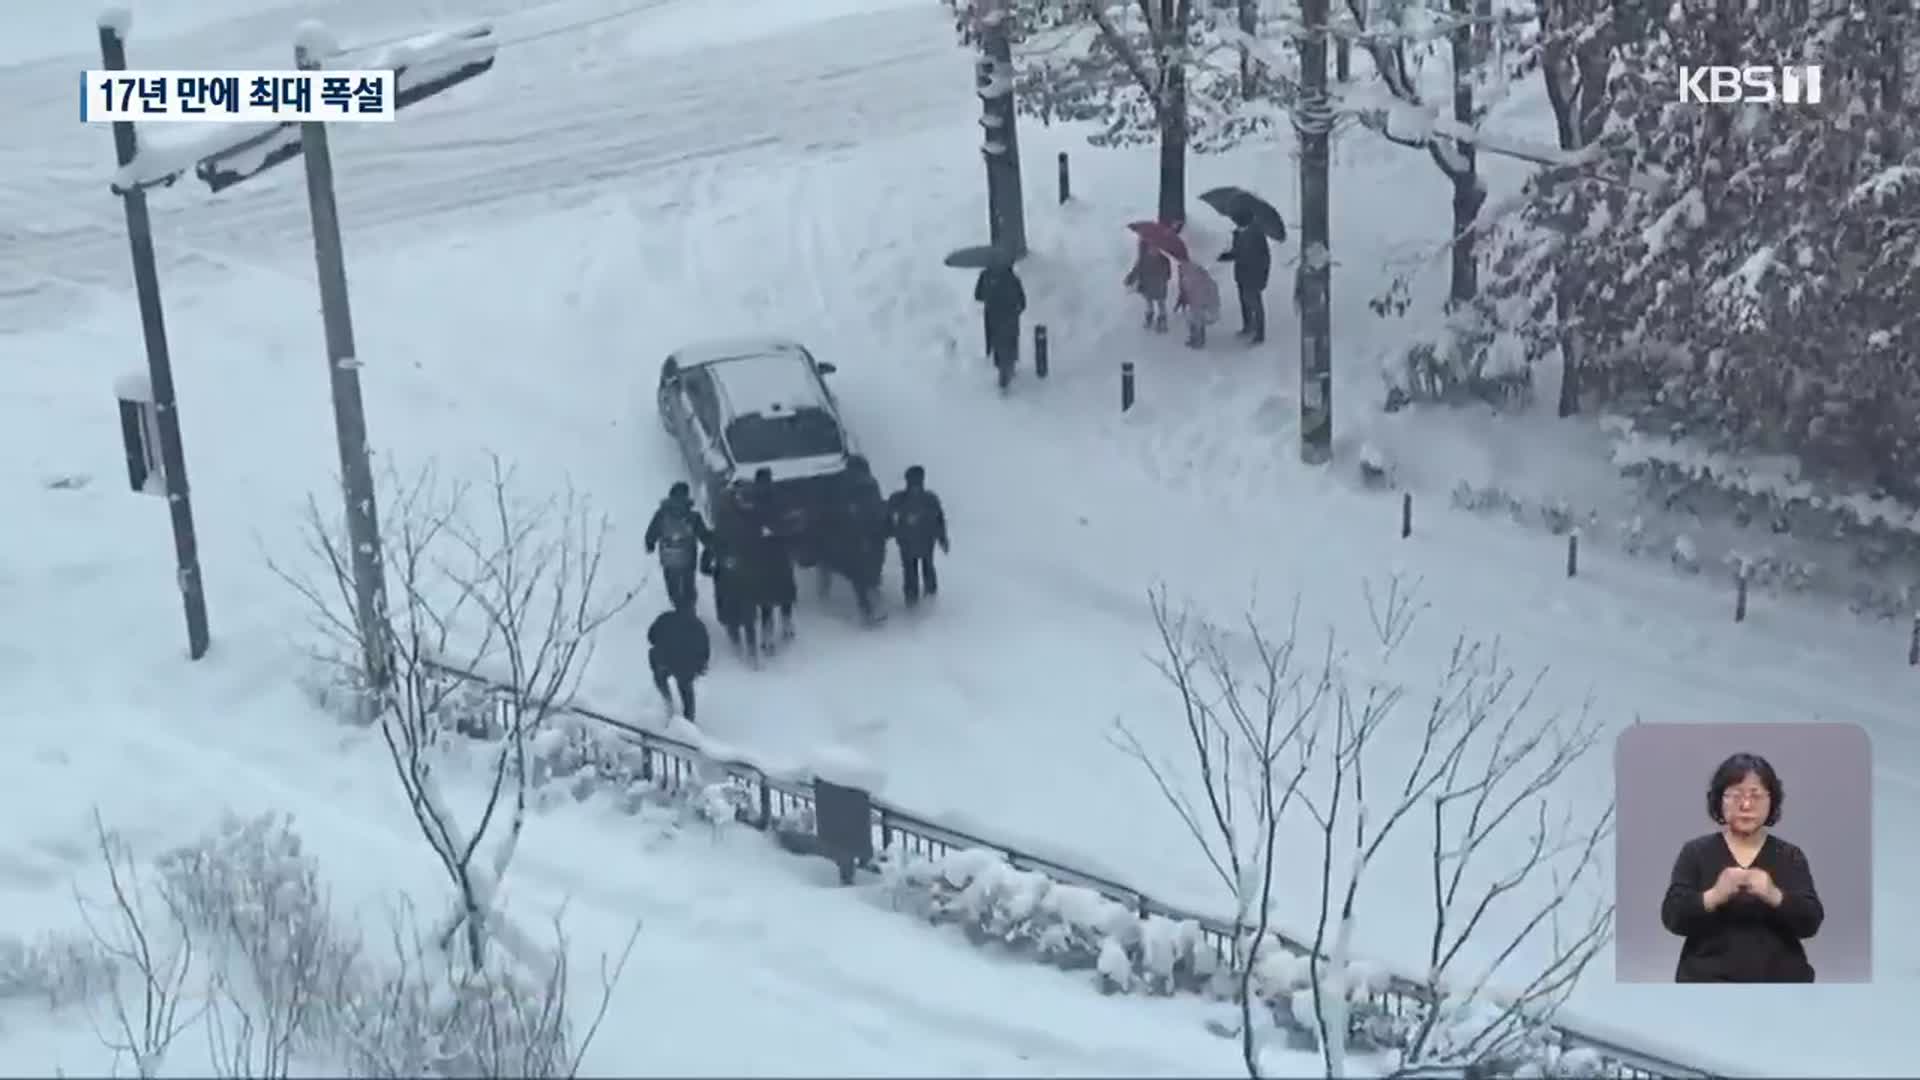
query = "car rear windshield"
{"x": 802, "y": 433}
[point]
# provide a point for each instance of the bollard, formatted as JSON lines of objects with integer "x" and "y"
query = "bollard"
{"x": 1406, "y": 514}
{"x": 843, "y": 823}
{"x": 1573, "y": 554}
{"x": 1126, "y": 385}
{"x": 1040, "y": 350}
{"x": 1913, "y": 643}
{"x": 1740, "y": 595}
{"x": 1066, "y": 184}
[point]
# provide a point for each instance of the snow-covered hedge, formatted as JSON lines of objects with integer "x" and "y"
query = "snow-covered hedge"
{"x": 1075, "y": 928}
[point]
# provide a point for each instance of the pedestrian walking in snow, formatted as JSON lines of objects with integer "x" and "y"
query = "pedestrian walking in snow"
{"x": 919, "y": 524}
{"x": 1252, "y": 262}
{"x": 1003, "y": 300}
{"x": 1149, "y": 277}
{"x": 678, "y": 532}
{"x": 1199, "y": 300}
{"x": 678, "y": 652}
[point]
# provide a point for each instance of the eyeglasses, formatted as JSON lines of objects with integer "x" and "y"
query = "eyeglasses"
{"x": 1745, "y": 798}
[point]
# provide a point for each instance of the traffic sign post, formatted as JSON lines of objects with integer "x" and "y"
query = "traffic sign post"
{"x": 423, "y": 67}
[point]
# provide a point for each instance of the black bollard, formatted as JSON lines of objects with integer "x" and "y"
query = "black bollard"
{"x": 1040, "y": 350}
{"x": 1066, "y": 184}
{"x": 1126, "y": 385}
{"x": 1740, "y": 595}
{"x": 1573, "y": 554}
{"x": 1913, "y": 643}
{"x": 1406, "y": 514}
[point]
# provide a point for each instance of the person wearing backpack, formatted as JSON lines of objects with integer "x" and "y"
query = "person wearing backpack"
{"x": 678, "y": 532}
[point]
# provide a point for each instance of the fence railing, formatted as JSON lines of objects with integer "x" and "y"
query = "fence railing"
{"x": 677, "y": 765}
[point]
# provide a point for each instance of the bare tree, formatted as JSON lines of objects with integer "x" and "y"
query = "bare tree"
{"x": 160, "y": 957}
{"x": 512, "y": 593}
{"x": 1486, "y": 757}
{"x": 1252, "y": 742}
{"x": 1481, "y": 762}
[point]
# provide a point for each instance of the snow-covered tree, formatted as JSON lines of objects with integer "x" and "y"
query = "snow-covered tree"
{"x": 513, "y": 593}
{"x": 1167, "y": 72}
{"x": 1752, "y": 286}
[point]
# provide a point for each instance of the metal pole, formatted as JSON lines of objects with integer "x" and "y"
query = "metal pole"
{"x": 349, "y": 412}
{"x": 1313, "y": 119}
{"x": 153, "y": 328}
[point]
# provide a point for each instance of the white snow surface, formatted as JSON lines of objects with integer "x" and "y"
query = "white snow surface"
{"x": 522, "y": 255}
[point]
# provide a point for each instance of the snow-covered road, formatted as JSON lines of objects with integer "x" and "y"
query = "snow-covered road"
{"x": 554, "y": 117}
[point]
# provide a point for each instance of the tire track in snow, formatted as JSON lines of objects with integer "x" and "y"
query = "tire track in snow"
{"x": 775, "y": 95}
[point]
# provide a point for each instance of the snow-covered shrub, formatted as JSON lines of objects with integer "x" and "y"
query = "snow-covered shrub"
{"x": 1068, "y": 926}
{"x": 285, "y": 962}
{"x": 1466, "y": 362}
{"x": 54, "y": 969}
{"x": 422, "y": 1019}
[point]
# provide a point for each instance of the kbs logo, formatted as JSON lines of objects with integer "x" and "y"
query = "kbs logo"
{"x": 1725, "y": 85}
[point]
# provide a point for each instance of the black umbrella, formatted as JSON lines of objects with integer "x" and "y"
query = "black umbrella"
{"x": 978, "y": 257}
{"x": 1238, "y": 203}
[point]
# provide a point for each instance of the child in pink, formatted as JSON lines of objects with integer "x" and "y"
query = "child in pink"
{"x": 1200, "y": 299}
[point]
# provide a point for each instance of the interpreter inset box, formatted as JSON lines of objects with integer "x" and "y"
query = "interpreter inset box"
{"x": 1744, "y": 853}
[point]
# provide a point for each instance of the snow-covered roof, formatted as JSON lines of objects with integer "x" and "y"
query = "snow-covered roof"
{"x": 705, "y": 352}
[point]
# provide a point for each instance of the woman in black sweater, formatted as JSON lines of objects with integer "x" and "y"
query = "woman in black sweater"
{"x": 1742, "y": 897}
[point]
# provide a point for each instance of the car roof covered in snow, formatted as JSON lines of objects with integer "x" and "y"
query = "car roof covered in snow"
{"x": 757, "y": 375}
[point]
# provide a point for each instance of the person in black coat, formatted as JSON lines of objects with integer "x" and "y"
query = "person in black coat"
{"x": 1003, "y": 300}
{"x": 1742, "y": 897}
{"x": 678, "y": 532}
{"x": 736, "y": 594}
{"x": 1252, "y": 263}
{"x": 678, "y": 652}
{"x": 919, "y": 524}
{"x": 764, "y": 543}
{"x": 857, "y": 531}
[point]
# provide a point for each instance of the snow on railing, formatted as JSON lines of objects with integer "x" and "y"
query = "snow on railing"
{"x": 676, "y": 764}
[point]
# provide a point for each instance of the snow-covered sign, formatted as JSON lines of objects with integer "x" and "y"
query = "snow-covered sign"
{"x": 140, "y": 433}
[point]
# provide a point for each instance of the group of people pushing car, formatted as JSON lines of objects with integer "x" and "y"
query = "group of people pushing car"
{"x": 750, "y": 552}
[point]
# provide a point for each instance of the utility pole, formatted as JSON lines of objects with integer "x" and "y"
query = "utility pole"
{"x": 993, "y": 79}
{"x": 1313, "y": 287}
{"x": 153, "y": 328}
{"x": 349, "y": 411}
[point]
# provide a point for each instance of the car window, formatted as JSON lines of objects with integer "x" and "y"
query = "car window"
{"x": 800, "y": 433}
{"x": 698, "y": 386}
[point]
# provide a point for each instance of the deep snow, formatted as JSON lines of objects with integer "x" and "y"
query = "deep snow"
{"x": 521, "y": 263}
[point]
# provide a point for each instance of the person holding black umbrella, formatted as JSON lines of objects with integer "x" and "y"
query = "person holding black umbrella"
{"x": 1252, "y": 263}
{"x": 1003, "y": 300}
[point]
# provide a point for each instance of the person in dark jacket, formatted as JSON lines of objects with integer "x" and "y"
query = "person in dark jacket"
{"x": 769, "y": 556}
{"x": 1743, "y": 897}
{"x": 1003, "y": 300}
{"x": 857, "y": 531}
{"x": 736, "y": 593}
{"x": 678, "y": 652}
{"x": 1252, "y": 263}
{"x": 919, "y": 524}
{"x": 678, "y": 532}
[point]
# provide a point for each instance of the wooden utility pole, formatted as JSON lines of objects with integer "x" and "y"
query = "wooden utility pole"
{"x": 153, "y": 328}
{"x": 349, "y": 411}
{"x": 1000, "y": 145}
{"x": 1313, "y": 286}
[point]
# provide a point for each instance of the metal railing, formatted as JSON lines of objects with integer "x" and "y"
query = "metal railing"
{"x": 675, "y": 765}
